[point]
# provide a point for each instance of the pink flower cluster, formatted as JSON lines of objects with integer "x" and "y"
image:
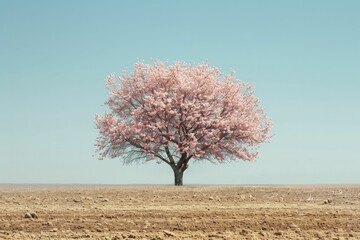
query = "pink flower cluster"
{"x": 174, "y": 113}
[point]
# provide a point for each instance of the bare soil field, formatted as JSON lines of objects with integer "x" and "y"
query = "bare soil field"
{"x": 189, "y": 212}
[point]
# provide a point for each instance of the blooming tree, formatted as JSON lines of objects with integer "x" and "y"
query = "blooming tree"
{"x": 178, "y": 113}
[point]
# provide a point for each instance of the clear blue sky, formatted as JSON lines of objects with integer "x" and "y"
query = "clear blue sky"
{"x": 302, "y": 56}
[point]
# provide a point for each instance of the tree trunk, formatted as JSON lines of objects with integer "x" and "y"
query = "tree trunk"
{"x": 178, "y": 174}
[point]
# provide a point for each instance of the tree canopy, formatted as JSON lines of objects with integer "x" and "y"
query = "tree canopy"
{"x": 180, "y": 112}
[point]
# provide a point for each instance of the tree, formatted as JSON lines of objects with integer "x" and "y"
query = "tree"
{"x": 176, "y": 113}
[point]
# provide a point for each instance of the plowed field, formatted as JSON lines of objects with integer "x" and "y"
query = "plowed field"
{"x": 189, "y": 212}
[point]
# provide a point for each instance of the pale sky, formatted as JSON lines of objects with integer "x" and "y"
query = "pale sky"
{"x": 302, "y": 56}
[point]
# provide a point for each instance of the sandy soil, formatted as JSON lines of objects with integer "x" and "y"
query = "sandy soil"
{"x": 190, "y": 212}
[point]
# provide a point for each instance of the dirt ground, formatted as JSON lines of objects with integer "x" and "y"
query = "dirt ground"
{"x": 189, "y": 212}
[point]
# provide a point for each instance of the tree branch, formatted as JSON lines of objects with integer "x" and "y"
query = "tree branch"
{"x": 152, "y": 152}
{"x": 172, "y": 161}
